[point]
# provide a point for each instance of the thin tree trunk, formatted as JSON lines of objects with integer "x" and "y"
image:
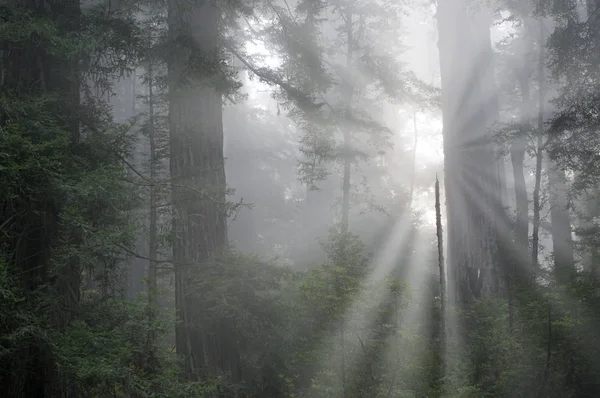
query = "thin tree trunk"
{"x": 347, "y": 134}
{"x": 343, "y": 359}
{"x": 152, "y": 238}
{"x": 538, "y": 163}
{"x": 346, "y": 185}
{"x": 548, "y": 354}
{"x": 414, "y": 160}
{"x": 521, "y": 259}
{"x": 441, "y": 264}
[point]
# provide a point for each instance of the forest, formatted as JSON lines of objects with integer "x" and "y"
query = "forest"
{"x": 300, "y": 198}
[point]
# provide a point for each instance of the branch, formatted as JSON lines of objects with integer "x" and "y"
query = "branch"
{"x": 290, "y": 11}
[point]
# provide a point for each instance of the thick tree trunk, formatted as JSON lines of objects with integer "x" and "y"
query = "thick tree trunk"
{"x": 473, "y": 182}
{"x": 197, "y": 173}
{"x": 590, "y": 255}
{"x": 562, "y": 240}
{"x": 588, "y": 211}
{"x": 32, "y": 224}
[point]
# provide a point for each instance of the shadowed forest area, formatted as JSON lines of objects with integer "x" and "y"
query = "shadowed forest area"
{"x": 300, "y": 198}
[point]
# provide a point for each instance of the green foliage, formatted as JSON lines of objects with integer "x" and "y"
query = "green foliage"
{"x": 107, "y": 353}
{"x": 549, "y": 351}
{"x": 64, "y": 203}
{"x": 66, "y": 197}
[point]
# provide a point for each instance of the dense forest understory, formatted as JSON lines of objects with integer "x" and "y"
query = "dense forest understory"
{"x": 299, "y": 198}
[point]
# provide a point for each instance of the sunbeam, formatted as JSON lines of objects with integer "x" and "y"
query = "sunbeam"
{"x": 299, "y": 198}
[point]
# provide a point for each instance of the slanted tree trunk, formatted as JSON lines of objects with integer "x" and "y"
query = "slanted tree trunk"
{"x": 473, "y": 182}
{"x": 197, "y": 174}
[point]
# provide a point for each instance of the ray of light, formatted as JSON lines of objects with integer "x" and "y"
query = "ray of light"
{"x": 384, "y": 264}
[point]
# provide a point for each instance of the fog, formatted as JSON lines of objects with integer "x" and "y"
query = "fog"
{"x": 299, "y": 198}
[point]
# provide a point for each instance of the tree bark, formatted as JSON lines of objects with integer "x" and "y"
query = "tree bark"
{"x": 590, "y": 255}
{"x": 196, "y": 165}
{"x": 473, "y": 182}
{"x": 414, "y": 161}
{"x": 538, "y": 161}
{"x": 347, "y": 135}
{"x": 441, "y": 264}
{"x": 562, "y": 240}
{"x": 520, "y": 261}
{"x": 31, "y": 223}
{"x": 518, "y": 150}
{"x": 153, "y": 230}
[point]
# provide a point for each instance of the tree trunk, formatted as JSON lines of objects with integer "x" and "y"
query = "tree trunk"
{"x": 441, "y": 264}
{"x": 590, "y": 256}
{"x": 520, "y": 261}
{"x": 588, "y": 211}
{"x": 538, "y": 161}
{"x": 153, "y": 230}
{"x": 32, "y": 224}
{"x": 562, "y": 240}
{"x": 414, "y": 161}
{"x": 197, "y": 169}
{"x": 347, "y": 135}
{"x": 518, "y": 150}
{"x": 473, "y": 182}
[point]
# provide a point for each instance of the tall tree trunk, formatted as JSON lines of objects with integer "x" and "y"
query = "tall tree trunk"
{"x": 197, "y": 170}
{"x": 32, "y": 224}
{"x": 441, "y": 264}
{"x": 135, "y": 270}
{"x": 153, "y": 230}
{"x": 562, "y": 240}
{"x": 520, "y": 258}
{"x": 518, "y": 150}
{"x": 414, "y": 161}
{"x": 347, "y": 135}
{"x": 589, "y": 200}
{"x": 346, "y": 184}
{"x": 473, "y": 182}
{"x": 538, "y": 161}
{"x": 587, "y": 212}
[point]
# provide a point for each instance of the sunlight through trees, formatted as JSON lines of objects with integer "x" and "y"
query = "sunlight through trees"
{"x": 299, "y": 198}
